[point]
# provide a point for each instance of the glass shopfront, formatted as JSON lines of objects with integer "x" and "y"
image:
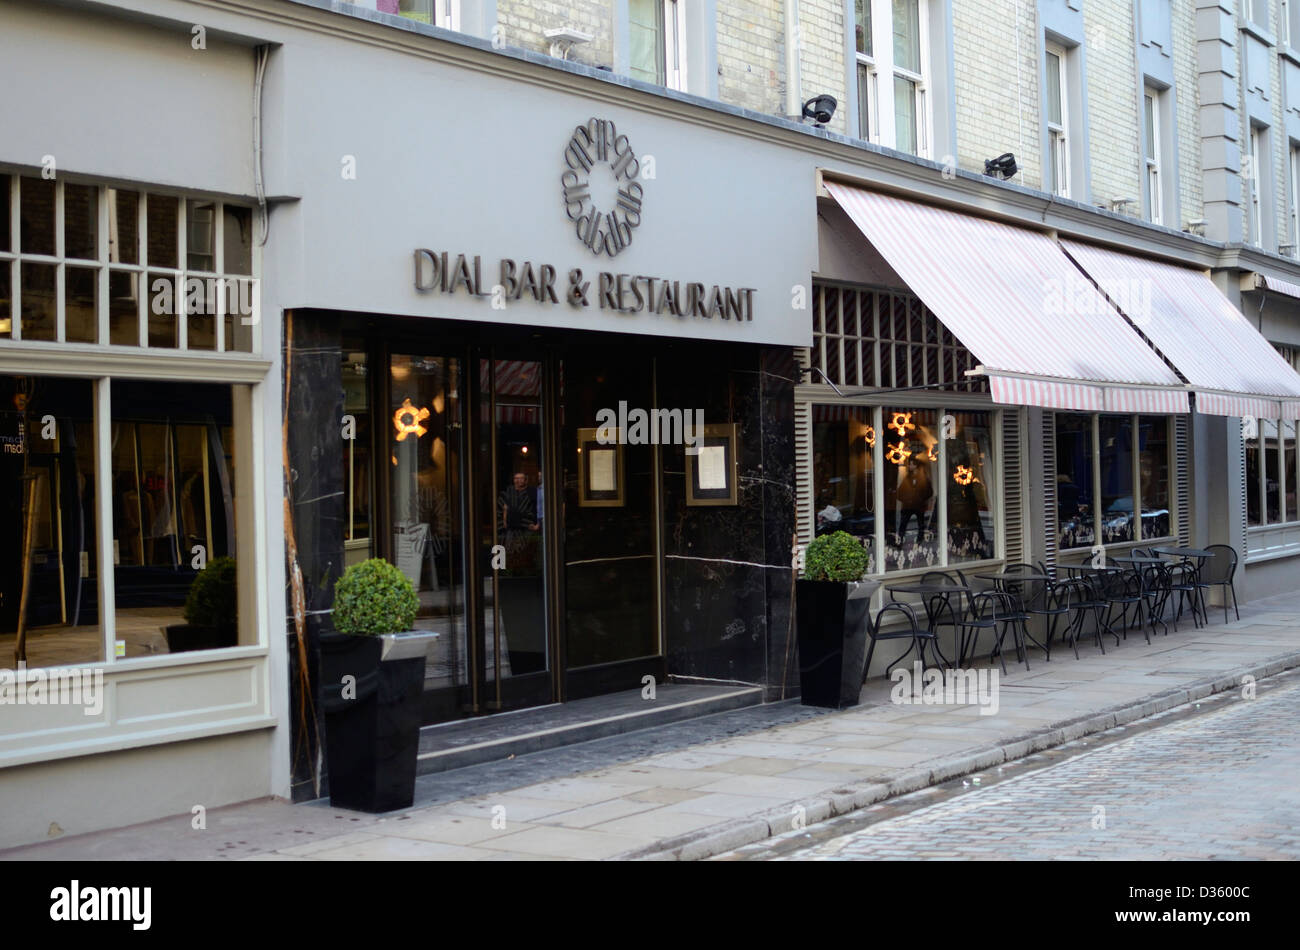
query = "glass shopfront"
{"x": 170, "y": 472}
{"x": 536, "y": 594}
{"x": 1112, "y": 479}
{"x": 930, "y": 472}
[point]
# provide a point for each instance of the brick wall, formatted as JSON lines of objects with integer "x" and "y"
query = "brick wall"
{"x": 751, "y": 54}
{"x": 1188, "y": 114}
{"x": 822, "y": 69}
{"x": 1114, "y": 133}
{"x": 523, "y": 23}
{"x": 997, "y": 106}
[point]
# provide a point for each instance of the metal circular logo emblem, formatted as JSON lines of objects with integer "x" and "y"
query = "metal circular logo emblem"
{"x": 602, "y": 230}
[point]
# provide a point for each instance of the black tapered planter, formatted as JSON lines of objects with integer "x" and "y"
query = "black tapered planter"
{"x": 372, "y": 722}
{"x": 832, "y": 619}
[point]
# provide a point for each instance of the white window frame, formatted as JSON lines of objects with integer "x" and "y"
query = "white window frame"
{"x": 674, "y": 26}
{"x": 1153, "y": 164}
{"x": 867, "y": 61}
{"x": 145, "y": 272}
{"x": 920, "y": 106}
{"x": 1058, "y": 136}
{"x": 1176, "y": 514}
{"x": 447, "y": 14}
{"x": 1293, "y": 199}
{"x": 1255, "y": 224}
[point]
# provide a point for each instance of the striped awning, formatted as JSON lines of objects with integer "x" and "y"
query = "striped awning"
{"x": 1279, "y": 285}
{"x": 1044, "y": 334}
{"x": 1232, "y": 369}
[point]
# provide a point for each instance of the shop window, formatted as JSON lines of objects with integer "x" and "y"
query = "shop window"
{"x": 1269, "y": 431}
{"x": 49, "y": 603}
{"x": 1057, "y": 166}
{"x": 1153, "y": 477}
{"x": 356, "y": 456}
{"x": 970, "y": 488}
{"x": 1118, "y": 467}
{"x": 1074, "y": 481}
{"x": 1116, "y": 456}
{"x": 1254, "y": 481}
{"x": 174, "y": 489}
{"x": 891, "y": 460}
{"x": 51, "y": 278}
{"x": 844, "y": 449}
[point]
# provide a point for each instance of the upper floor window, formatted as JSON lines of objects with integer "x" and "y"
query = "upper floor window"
{"x": 1256, "y": 166}
{"x": 1256, "y": 11}
{"x": 443, "y": 13}
{"x": 85, "y": 263}
{"x": 1056, "y": 171}
{"x": 1151, "y": 154}
{"x": 657, "y": 46}
{"x": 865, "y": 71}
{"x": 909, "y": 78}
{"x": 1293, "y": 200}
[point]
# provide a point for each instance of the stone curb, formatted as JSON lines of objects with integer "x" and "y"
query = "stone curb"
{"x": 707, "y": 842}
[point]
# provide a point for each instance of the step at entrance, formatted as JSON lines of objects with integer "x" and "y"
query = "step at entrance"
{"x": 454, "y": 745}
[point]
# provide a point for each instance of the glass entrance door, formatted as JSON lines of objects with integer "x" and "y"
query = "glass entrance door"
{"x": 512, "y": 531}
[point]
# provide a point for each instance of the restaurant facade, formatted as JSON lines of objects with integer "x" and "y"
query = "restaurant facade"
{"x": 587, "y": 359}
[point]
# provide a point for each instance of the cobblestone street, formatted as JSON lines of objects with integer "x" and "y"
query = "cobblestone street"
{"x": 1220, "y": 785}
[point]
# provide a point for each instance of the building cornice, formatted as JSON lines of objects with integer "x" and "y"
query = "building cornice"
{"x": 836, "y": 155}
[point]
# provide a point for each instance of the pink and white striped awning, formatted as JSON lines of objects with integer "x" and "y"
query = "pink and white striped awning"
{"x": 1280, "y": 286}
{"x": 1232, "y": 369}
{"x": 1044, "y": 334}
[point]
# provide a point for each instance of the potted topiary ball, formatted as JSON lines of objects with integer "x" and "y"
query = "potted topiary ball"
{"x": 832, "y": 601}
{"x": 211, "y": 611}
{"x": 372, "y": 677}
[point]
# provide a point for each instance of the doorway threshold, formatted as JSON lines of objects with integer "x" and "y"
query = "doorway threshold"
{"x": 466, "y": 742}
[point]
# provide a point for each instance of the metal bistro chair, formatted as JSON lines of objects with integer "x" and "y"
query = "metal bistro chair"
{"x": 939, "y": 608}
{"x": 1219, "y": 571}
{"x": 1082, "y": 595}
{"x": 1124, "y": 588}
{"x": 996, "y": 610}
{"x": 1182, "y": 581}
{"x": 1035, "y": 599}
{"x": 912, "y": 632}
{"x": 1157, "y": 584}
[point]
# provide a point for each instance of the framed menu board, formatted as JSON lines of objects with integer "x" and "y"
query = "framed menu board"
{"x": 600, "y": 470}
{"x": 711, "y": 468}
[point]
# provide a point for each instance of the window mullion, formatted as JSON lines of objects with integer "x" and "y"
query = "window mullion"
{"x": 142, "y": 255}
{"x": 1135, "y": 473}
{"x": 101, "y": 253}
{"x": 1097, "y": 540}
{"x": 60, "y": 269}
{"x": 878, "y": 488}
{"x": 105, "y": 563}
{"x": 941, "y": 495}
{"x": 180, "y": 304}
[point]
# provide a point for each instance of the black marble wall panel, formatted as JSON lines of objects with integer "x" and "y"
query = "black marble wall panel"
{"x": 315, "y": 411}
{"x": 726, "y": 568}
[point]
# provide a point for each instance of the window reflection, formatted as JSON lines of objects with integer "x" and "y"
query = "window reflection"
{"x": 1153, "y": 472}
{"x": 1253, "y": 507}
{"x": 970, "y": 488}
{"x": 1074, "y": 484}
{"x": 1115, "y": 433}
{"x": 844, "y": 440}
{"x": 1272, "y": 474}
{"x": 911, "y": 455}
{"x": 172, "y": 464}
{"x": 49, "y": 604}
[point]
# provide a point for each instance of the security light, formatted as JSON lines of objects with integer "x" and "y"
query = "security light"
{"x": 1004, "y": 166}
{"x": 820, "y": 109}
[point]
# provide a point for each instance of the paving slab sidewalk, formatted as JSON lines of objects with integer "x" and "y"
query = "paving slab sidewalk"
{"x": 712, "y": 797}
